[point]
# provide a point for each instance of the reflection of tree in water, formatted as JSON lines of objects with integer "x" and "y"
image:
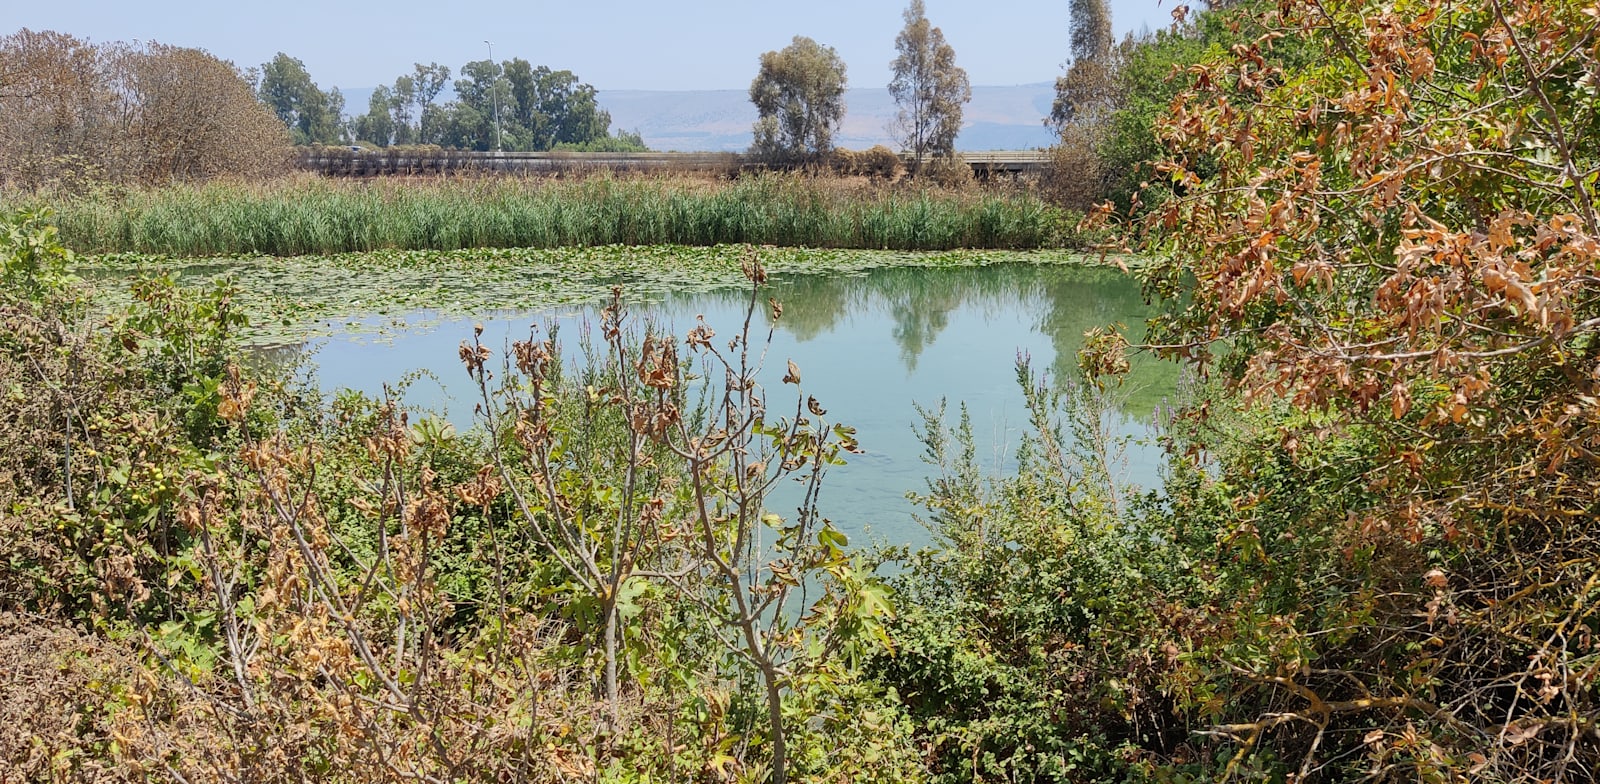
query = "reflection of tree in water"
{"x": 920, "y": 302}
{"x": 815, "y": 304}
{"x": 1067, "y": 301}
{"x": 1082, "y": 299}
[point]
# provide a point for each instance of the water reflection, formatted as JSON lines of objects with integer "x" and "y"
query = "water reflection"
{"x": 870, "y": 347}
{"x": 919, "y": 302}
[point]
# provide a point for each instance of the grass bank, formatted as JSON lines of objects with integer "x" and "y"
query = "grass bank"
{"x": 303, "y": 215}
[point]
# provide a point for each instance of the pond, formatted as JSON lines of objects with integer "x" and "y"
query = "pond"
{"x": 872, "y": 346}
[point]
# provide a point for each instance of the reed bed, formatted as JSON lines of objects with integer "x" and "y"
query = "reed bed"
{"x": 304, "y": 215}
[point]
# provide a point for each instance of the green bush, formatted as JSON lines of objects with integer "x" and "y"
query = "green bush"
{"x": 1034, "y": 644}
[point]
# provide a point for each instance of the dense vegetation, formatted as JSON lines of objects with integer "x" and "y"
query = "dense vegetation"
{"x": 497, "y": 106}
{"x": 283, "y": 588}
{"x": 1374, "y": 557}
{"x": 290, "y": 217}
{"x": 1375, "y": 243}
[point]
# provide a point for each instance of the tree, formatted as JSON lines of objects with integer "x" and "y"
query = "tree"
{"x": 1087, "y": 96}
{"x": 54, "y": 98}
{"x": 427, "y": 82}
{"x": 405, "y": 113}
{"x": 539, "y": 108}
{"x": 311, "y": 115}
{"x": 195, "y": 117}
{"x": 401, "y": 99}
{"x": 568, "y": 111}
{"x": 471, "y": 122}
{"x": 1091, "y": 77}
{"x": 799, "y": 97}
{"x": 377, "y": 126}
{"x": 929, "y": 88}
{"x": 78, "y": 113}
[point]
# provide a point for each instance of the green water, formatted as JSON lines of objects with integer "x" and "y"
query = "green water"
{"x": 870, "y": 346}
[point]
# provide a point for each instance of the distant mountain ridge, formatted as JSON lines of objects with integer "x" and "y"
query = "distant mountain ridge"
{"x": 998, "y": 118}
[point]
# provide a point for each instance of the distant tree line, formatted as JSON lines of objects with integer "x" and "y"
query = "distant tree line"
{"x": 98, "y": 109}
{"x": 538, "y": 109}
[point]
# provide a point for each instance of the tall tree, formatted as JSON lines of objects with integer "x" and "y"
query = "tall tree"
{"x": 570, "y": 109}
{"x": 196, "y": 117}
{"x": 1090, "y": 30}
{"x": 799, "y": 96}
{"x": 427, "y": 82}
{"x": 54, "y": 104}
{"x": 409, "y": 115}
{"x": 311, "y": 115}
{"x": 1091, "y": 78}
{"x": 401, "y": 99}
{"x": 481, "y": 93}
{"x": 929, "y": 88}
{"x": 377, "y": 125}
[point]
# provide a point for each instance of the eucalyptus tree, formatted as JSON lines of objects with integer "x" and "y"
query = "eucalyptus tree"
{"x": 929, "y": 88}
{"x": 427, "y": 82}
{"x": 310, "y": 114}
{"x": 402, "y": 98}
{"x": 377, "y": 126}
{"x": 554, "y": 106}
{"x": 470, "y": 124}
{"x": 1090, "y": 83}
{"x": 540, "y": 108}
{"x": 799, "y": 97}
{"x": 405, "y": 113}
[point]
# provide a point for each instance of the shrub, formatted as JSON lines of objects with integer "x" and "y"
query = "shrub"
{"x": 266, "y": 589}
{"x": 82, "y": 113}
{"x": 879, "y": 162}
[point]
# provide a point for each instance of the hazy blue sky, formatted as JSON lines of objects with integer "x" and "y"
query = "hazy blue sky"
{"x": 612, "y": 44}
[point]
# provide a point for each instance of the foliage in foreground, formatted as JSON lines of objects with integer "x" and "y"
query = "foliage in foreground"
{"x": 1374, "y": 557}
{"x": 217, "y": 578}
{"x": 1383, "y": 570}
{"x": 1034, "y": 644}
{"x": 1399, "y": 239}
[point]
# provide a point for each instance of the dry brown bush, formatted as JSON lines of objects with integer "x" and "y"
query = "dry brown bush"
{"x": 948, "y": 172}
{"x": 1075, "y": 178}
{"x": 54, "y": 725}
{"x": 879, "y": 162}
{"x": 78, "y": 113}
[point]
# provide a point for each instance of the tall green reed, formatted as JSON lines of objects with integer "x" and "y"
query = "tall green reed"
{"x": 305, "y": 215}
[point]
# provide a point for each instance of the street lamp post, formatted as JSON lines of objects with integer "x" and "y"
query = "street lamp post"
{"x": 494, "y": 90}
